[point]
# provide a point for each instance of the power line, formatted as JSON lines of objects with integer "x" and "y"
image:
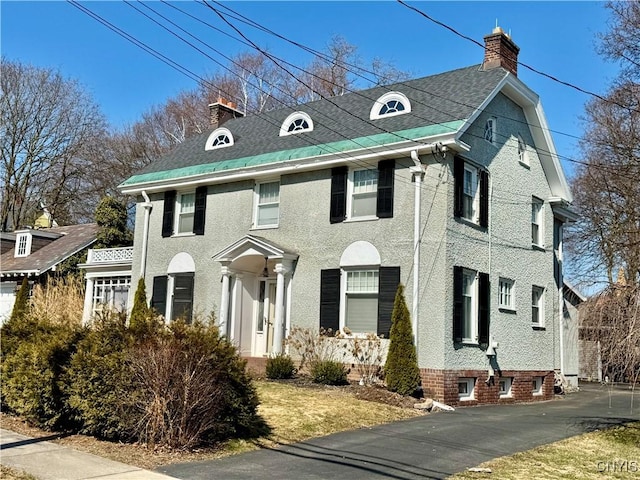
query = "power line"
{"x": 529, "y": 67}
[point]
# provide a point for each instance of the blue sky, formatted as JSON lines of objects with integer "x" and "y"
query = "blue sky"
{"x": 558, "y": 38}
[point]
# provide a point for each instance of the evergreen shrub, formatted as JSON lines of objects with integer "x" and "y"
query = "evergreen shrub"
{"x": 280, "y": 367}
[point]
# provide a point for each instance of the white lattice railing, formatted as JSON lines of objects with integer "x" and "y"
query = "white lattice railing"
{"x": 110, "y": 255}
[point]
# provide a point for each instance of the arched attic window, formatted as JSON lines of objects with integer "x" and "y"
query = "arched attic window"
{"x": 220, "y": 137}
{"x": 297, "y": 122}
{"x": 390, "y": 104}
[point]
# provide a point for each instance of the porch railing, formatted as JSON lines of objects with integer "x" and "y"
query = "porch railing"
{"x": 110, "y": 255}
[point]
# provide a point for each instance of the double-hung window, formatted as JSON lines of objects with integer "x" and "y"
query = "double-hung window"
{"x": 364, "y": 193}
{"x": 267, "y": 204}
{"x": 537, "y": 306}
{"x": 361, "y": 306}
{"x": 184, "y": 212}
{"x": 173, "y": 296}
{"x": 537, "y": 206}
{"x": 471, "y": 306}
{"x": 471, "y": 187}
{"x": 506, "y": 298}
{"x": 470, "y": 194}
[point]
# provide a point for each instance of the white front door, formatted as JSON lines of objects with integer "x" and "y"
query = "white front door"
{"x": 264, "y": 318}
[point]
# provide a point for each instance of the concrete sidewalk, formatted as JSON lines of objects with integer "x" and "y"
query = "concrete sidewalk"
{"x": 50, "y": 461}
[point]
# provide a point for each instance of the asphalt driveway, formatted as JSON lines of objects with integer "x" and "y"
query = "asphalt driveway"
{"x": 433, "y": 446}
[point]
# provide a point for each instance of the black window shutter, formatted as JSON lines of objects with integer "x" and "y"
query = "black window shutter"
{"x": 389, "y": 280}
{"x": 167, "y": 215}
{"x": 338, "y": 211}
{"x": 159, "y": 295}
{"x": 484, "y": 198}
{"x": 484, "y": 294}
{"x": 330, "y": 299}
{"x": 200, "y": 210}
{"x": 458, "y": 317}
{"x": 458, "y": 186}
{"x": 386, "y": 172}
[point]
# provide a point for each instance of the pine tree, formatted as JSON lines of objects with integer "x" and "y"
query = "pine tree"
{"x": 402, "y": 374}
{"x": 21, "y": 306}
{"x": 140, "y": 312}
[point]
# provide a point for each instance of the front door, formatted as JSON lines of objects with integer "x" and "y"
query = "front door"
{"x": 265, "y": 318}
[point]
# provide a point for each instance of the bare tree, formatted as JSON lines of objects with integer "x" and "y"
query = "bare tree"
{"x": 622, "y": 41}
{"x": 47, "y": 122}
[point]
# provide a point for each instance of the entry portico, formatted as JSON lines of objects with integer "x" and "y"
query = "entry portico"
{"x": 256, "y": 294}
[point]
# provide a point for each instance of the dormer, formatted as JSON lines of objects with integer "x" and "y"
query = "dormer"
{"x": 23, "y": 244}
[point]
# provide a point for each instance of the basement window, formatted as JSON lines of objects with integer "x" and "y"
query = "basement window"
{"x": 505, "y": 387}
{"x": 466, "y": 387}
{"x": 536, "y": 385}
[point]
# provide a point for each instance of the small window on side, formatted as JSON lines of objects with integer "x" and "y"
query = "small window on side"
{"x": 490, "y": 130}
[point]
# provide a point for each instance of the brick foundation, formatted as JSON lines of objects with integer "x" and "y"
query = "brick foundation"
{"x": 442, "y": 385}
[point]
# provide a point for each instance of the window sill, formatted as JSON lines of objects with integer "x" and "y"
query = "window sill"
{"x": 466, "y": 399}
{"x": 471, "y": 223}
{"x": 185, "y": 234}
{"x": 360, "y": 219}
{"x": 537, "y": 327}
{"x": 264, "y": 227}
{"x": 525, "y": 164}
{"x": 507, "y": 310}
{"x": 540, "y": 248}
{"x": 471, "y": 343}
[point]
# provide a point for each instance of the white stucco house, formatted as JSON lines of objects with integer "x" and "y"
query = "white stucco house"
{"x": 311, "y": 216}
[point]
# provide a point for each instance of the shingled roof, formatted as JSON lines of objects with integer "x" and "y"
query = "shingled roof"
{"x": 440, "y": 105}
{"x": 73, "y": 238}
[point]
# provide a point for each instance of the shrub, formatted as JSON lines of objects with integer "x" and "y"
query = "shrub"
{"x": 367, "y": 353}
{"x": 143, "y": 321}
{"x": 280, "y": 367}
{"x": 31, "y": 374}
{"x": 59, "y": 300}
{"x": 329, "y": 372}
{"x": 401, "y": 369}
{"x": 21, "y": 305}
{"x": 312, "y": 346}
{"x": 194, "y": 389}
{"x": 99, "y": 383}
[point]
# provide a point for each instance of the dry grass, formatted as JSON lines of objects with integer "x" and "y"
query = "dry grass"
{"x": 7, "y": 473}
{"x": 61, "y": 300}
{"x": 607, "y": 454}
{"x": 294, "y": 413}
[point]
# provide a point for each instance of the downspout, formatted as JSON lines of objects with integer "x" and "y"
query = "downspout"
{"x": 418, "y": 171}
{"x": 147, "y": 205}
{"x": 561, "y": 296}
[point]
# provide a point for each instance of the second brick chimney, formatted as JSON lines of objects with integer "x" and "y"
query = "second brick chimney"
{"x": 222, "y": 111}
{"x": 500, "y": 51}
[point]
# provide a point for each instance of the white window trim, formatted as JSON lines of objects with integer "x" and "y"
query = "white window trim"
{"x": 536, "y": 388}
{"x": 171, "y": 285}
{"x": 284, "y": 128}
{"x": 214, "y": 135}
{"x": 494, "y": 124}
{"x": 541, "y": 302}
{"x": 508, "y": 383}
{"x": 511, "y": 285}
{"x": 350, "y": 193}
{"x": 523, "y": 153}
{"x": 539, "y": 221}
{"x": 27, "y": 246}
{"x": 343, "y": 295}
{"x": 384, "y": 99}
{"x": 475, "y": 298}
{"x": 257, "y": 204}
{"x": 476, "y": 195}
{"x": 97, "y": 302}
{"x": 176, "y": 219}
{"x": 471, "y": 387}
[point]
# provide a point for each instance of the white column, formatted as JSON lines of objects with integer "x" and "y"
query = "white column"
{"x": 88, "y": 301}
{"x": 278, "y": 328}
{"x": 224, "y": 301}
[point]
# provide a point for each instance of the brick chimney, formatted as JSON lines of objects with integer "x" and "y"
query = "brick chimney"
{"x": 221, "y": 111}
{"x": 500, "y": 51}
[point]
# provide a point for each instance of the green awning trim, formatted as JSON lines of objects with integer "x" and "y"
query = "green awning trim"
{"x": 298, "y": 153}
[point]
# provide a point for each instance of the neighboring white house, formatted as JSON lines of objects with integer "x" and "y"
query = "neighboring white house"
{"x": 311, "y": 216}
{"x": 35, "y": 253}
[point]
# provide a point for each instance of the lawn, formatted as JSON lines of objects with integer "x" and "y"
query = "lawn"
{"x": 611, "y": 454}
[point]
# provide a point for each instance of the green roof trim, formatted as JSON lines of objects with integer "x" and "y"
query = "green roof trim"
{"x": 297, "y": 153}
